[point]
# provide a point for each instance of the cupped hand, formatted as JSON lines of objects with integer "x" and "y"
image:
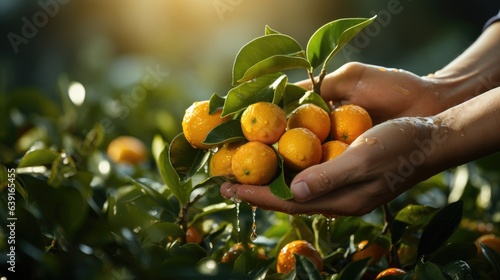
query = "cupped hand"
{"x": 377, "y": 167}
{"x": 385, "y": 93}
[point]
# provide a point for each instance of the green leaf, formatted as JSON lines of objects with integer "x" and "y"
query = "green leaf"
{"x": 331, "y": 37}
{"x": 171, "y": 178}
{"x": 157, "y": 232}
{"x": 458, "y": 270}
{"x": 185, "y": 159}
{"x": 275, "y": 64}
{"x": 269, "y": 31}
{"x": 267, "y": 54}
{"x": 440, "y": 228}
{"x": 279, "y": 186}
{"x": 453, "y": 252}
{"x": 38, "y": 158}
{"x": 216, "y": 103}
{"x": 229, "y": 131}
{"x": 152, "y": 193}
{"x": 305, "y": 269}
{"x": 294, "y": 96}
{"x": 409, "y": 219}
{"x": 208, "y": 210}
{"x": 268, "y": 88}
{"x": 245, "y": 262}
{"x": 354, "y": 270}
{"x": 492, "y": 257}
{"x": 62, "y": 167}
{"x": 429, "y": 271}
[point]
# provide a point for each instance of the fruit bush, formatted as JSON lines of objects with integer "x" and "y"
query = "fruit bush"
{"x": 72, "y": 209}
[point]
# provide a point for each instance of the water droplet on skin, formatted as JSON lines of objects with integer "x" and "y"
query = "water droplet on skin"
{"x": 253, "y": 235}
{"x": 402, "y": 90}
{"x": 371, "y": 141}
{"x": 324, "y": 178}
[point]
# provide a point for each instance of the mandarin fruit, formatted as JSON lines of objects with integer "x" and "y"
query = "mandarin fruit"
{"x": 254, "y": 163}
{"x": 300, "y": 149}
{"x": 198, "y": 122}
{"x": 490, "y": 240}
{"x": 312, "y": 117}
{"x": 286, "y": 258}
{"x": 193, "y": 235}
{"x": 348, "y": 122}
{"x": 391, "y": 271}
{"x": 127, "y": 149}
{"x": 374, "y": 250}
{"x": 332, "y": 149}
{"x": 221, "y": 160}
{"x": 263, "y": 122}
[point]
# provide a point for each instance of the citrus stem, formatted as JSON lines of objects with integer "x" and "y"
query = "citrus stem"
{"x": 316, "y": 84}
{"x": 181, "y": 219}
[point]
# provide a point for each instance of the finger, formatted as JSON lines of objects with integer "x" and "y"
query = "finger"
{"x": 260, "y": 196}
{"x": 323, "y": 178}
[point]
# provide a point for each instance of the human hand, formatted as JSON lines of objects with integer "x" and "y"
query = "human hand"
{"x": 377, "y": 167}
{"x": 385, "y": 93}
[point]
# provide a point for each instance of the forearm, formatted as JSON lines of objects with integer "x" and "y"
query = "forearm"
{"x": 475, "y": 71}
{"x": 469, "y": 130}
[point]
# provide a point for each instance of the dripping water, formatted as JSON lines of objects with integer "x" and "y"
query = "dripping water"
{"x": 253, "y": 235}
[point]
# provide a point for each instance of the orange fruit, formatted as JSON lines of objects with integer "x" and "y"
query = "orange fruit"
{"x": 263, "y": 122}
{"x": 312, "y": 117}
{"x": 490, "y": 240}
{"x": 237, "y": 249}
{"x": 197, "y": 123}
{"x": 300, "y": 149}
{"x": 348, "y": 122}
{"x": 254, "y": 163}
{"x": 286, "y": 258}
{"x": 391, "y": 271}
{"x": 332, "y": 149}
{"x": 127, "y": 149}
{"x": 374, "y": 250}
{"x": 220, "y": 162}
{"x": 193, "y": 235}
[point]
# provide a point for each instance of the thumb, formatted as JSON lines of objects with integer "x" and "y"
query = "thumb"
{"x": 323, "y": 178}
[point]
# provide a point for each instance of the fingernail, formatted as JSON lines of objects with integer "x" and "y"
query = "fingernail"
{"x": 301, "y": 190}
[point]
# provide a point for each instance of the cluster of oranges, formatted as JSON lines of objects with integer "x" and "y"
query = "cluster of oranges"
{"x": 309, "y": 135}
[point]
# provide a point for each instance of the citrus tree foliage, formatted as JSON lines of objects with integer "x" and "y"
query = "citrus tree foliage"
{"x": 79, "y": 215}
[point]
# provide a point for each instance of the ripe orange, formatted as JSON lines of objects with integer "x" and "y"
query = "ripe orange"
{"x": 193, "y": 235}
{"x": 127, "y": 149}
{"x": 197, "y": 123}
{"x": 348, "y": 122}
{"x": 286, "y": 258}
{"x": 237, "y": 249}
{"x": 263, "y": 122}
{"x": 312, "y": 117}
{"x": 392, "y": 271}
{"x": 220, "y": 162}
{"x": 332, "y": 149}
{"x": 490, "y": 240}
{"x": 300, "y": 149}
{"x": 254, "y": 163}
{"x": 374, "y": 250}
